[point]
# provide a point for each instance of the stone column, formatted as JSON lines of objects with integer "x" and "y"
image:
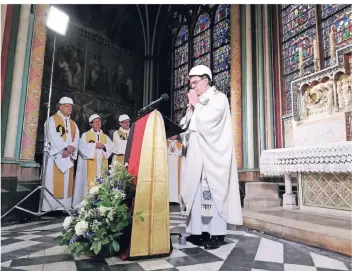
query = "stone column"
{"x": 16, "y": 87}
{"x": 269, "y": 116}
{"x": 236, "y": 81}
{"x": 30, "y": 124}
{"x": 289, "y": 199}
{"x": 249, "y": 90}
{"x": 3, "y": 19}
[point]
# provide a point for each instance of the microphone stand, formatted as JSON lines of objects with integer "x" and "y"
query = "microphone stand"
{"x": 46, "y": 148}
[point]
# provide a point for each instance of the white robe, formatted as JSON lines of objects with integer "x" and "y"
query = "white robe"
{"x": 88, "y": 151}
{"x": 55, "y": 150}
{"x": 119, "y": 144}
{"x": 173, "y": 154}
{"x": 210, "y": 145}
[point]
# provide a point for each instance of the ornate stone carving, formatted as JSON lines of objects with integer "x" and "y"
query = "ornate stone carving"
{"x": 342, "y": 88}
{"x": 344, "y": 93}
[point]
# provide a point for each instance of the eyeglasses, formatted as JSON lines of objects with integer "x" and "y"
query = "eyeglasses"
{"x": 193, "y": 84}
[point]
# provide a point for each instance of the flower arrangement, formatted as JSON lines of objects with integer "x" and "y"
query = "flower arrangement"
{"x": 98, "y": 223}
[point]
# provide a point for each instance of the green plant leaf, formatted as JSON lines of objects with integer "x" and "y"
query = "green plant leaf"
{"x": 97, "y": 248}
{"x": 116, "y": 246}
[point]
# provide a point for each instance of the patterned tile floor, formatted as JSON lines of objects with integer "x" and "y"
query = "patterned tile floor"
{"x": 32, "y": 246}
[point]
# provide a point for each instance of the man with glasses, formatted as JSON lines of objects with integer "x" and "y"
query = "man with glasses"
{"x": 209, "y": 180}
{"x": 95, "y": 148}
{"x": 61, "y": 138}
{"x": 120, "y": 138}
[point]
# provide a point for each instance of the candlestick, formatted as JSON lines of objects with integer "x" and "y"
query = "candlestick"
{"x": 316, "y": 49}
{"x": 332, "y": 42}
{"x": 300, "y": 55}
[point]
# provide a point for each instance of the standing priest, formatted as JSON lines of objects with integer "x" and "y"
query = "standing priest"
{"x": 61, "y": 137}
{"x": 209, "y": 182}
{"x": 120, "y": 138}
{"x": 95, "y": 148}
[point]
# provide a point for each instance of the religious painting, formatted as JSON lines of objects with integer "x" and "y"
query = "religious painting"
{"x": 69, "y": 62}
{"x": 97, "y": 74}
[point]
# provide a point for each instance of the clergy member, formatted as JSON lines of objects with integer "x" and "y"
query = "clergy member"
{"x": 120, "y": 138}
{"x": 209, "y": 182}
{"x": 61, "y": 140}
{"x": 95, "y": 148}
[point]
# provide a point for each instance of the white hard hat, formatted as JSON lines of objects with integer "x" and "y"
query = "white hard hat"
{"x": 93, "y": 117}
{"x": 66, "y": 100}
{"x": 124, "y": 117}
{"x": 200, "y": 70}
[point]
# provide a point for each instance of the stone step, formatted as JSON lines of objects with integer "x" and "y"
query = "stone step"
{"x": 326, "y": 232}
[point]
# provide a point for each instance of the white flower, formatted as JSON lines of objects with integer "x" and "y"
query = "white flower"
{"x": 67, "y": 222}
{"x": 103, "y": 210}
{"x": 82, "y": 204}
{"x": 94, "y": 190}
{"x": 81, "y": 227}
{"x": 110, "y": 216}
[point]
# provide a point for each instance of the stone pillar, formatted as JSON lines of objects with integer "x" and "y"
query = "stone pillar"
{"x": 236, "y": 81}
{"x": 249, "y": 91}
{"x": 3, "y": 19}
{"x": 30, "y": 124}
{"x": 289, "y": 199}
{"x": 269, "y": 114}
{"x": 16, "y": 87}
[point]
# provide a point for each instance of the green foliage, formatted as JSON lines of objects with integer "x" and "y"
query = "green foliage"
{"x": 100, "y": 220}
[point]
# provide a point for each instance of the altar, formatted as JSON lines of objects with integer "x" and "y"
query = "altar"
{"x": 318, "y": 141}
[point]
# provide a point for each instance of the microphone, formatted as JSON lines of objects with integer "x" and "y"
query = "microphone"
{"x": 163, "y": 98}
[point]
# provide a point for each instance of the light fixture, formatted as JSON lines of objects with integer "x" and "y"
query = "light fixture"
{"x": 57, "y": 20}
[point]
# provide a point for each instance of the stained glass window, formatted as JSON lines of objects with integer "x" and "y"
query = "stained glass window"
{"x": 221, "y": 33}
{"x": 222, "y": 12}
{"x": 201, "y": 41}
{"x": 180, "y": 70}
{"x": 182, "y": 35}
{"x": 221, "y": 59}
{"x": 203, "y": 60}
{"x": 201, "y": 44}
{"x": 221, "y": 46}
{"x": 203, "y": 23}
{"x": 181, "y": 55}
{"x": 222, "y": 81}
{"x": 211, "y": 47}
{"x": 336, "y": 18}
{"x": 180, "y": 98}
{"x": 181, "y": 75}
{"x": 296, "y": 18}
{"x": 298, "y": 31}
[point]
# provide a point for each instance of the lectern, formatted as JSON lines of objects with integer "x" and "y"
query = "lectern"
{"x": 146, "y": 155}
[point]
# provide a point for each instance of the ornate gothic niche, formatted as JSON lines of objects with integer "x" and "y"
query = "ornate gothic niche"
{"x": 329, "y": 89}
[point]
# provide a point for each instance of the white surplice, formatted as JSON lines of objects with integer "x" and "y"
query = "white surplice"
{"x": 89, "y": 151}
{"x": 173, "y": 153}
{"x": 119, "y": 143}
{"x": 56, "y": 148}
{"x": 210, "y": 154}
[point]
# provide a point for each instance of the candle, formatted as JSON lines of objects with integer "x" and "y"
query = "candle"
{"x": 316, "y": 49}
{"x": 300, "y": 55}
{"x": 332, "y": 40}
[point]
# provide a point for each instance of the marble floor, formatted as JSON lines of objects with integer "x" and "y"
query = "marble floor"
{"x": 32, "y": 246}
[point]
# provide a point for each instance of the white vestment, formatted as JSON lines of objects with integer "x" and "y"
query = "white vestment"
{"x": 56, "y": 146}
{"x": 119, "y": 143}
{"x": 174, "y": 151}
{"x": 89, "y": 151}
{"x": 210, "y": 155}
